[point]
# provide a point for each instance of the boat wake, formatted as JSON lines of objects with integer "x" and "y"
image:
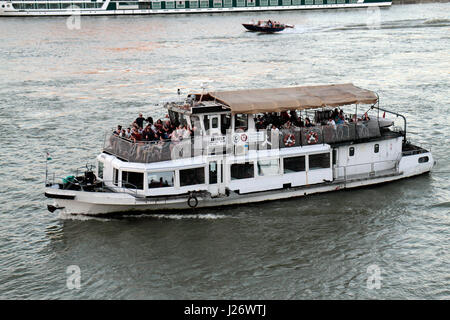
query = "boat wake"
{"x": 399, "y": 24}
{"x": 174, "y": 216}
{"x": 81, "y": 217}
{"x": 206, "y": 216}
{"x": 301, "y": 29}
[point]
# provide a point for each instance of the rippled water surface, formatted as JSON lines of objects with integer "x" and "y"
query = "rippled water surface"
{"x": 61, "y": 89}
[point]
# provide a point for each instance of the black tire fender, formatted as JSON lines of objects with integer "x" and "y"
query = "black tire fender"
{"x": 192, "y": 201}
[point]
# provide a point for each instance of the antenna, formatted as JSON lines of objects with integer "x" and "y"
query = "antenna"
{"x": 203, "y": 86}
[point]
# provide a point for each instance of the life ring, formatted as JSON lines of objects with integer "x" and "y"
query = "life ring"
{"x": 289, "y": 140}
{"x": 312, "y": 137}
{"x": 189, "y": 201}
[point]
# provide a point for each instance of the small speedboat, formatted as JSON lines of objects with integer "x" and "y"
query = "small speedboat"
{"x": 266, "y": 26}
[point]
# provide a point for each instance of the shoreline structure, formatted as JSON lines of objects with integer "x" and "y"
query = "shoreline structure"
{"x": 417, "y": 1}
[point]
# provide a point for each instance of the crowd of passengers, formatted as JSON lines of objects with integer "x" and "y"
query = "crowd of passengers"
{"x": 288, "y": 120}
{"x": 145, "y": 129}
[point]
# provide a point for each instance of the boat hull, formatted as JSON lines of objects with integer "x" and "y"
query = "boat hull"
{"x": 253, "y": 28}
{"x": 99, "y": 203}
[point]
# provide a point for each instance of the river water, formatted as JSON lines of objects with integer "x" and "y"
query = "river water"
{"x": 61, "y": 88}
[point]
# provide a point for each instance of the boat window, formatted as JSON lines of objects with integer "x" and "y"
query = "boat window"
{"x": 225, "y": 123}
{"x": 240, "y": 122}
{"x": 294, "y": 164}
{"x": 133, "y": 180}
{"x": 376, "y": 148}
{"x": 183, "y": 120}
{"x": 173, "y": 116}
{"x": 423, "y": 159}
{"x": 319, "y": 161}
{"x": 268, "y": 167}
{"x": 189, "y": 177}
{"x": 100, "y": 169}
{"x": 156, "y": 4}
{"x": 213, "y": 172}
{"x": 160, "y": 179}
{"x": 116, "y": 176}
{"x": 206, "y": 122}
{"x": 195, "y": 122}
{"x": 215, "y": 122}
{"x": 242, "y": 171}
{"x": 351, "y": 151}
{"x": 170, "y": 4}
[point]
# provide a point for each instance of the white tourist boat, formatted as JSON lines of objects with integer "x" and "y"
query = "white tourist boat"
{"x": 35, "y": 8}
{"x": 237, "y": 154}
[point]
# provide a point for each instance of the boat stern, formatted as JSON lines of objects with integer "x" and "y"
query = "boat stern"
{"x": 416, "y": 161}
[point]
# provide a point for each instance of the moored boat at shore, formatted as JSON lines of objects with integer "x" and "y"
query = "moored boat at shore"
{"x": 236, "y": 147}
{"x": 27, "y": 8}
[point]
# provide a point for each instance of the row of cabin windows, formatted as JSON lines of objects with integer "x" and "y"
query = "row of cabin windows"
{"x": 271, "y": 167}
{"x": 160, "y": 179}
{"x": 195, "y": 176}
{"x": 351, "y": 150}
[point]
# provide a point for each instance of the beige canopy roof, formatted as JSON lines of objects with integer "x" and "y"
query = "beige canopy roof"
{"x": 294, "y": 98}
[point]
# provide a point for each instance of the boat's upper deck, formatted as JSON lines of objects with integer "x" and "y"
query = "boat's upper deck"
{"x": 233, "y": 123}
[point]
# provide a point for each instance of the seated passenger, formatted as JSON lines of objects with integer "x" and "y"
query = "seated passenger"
{"x": 287, "y": 125}
{"x": 149, "y": 120}
{"x": 294, "y": 116}
{"x": 335, "y": 113}
{"x": 284, "y": 117}
{"x": 187, "y": 133}
{"x": 148, "y": 134}
{"x": 274, "y": 128}
{"x": 365, "y": 117}
{"x": 128, "y": 133}
{"x": 158, "y": 124}
{"x": 308, "y": 123}
{"x": 300, "y": 122}
{"x": 135, "y": 135}
{"x": 331, "y": 123}
{"x": 118, "y": 131}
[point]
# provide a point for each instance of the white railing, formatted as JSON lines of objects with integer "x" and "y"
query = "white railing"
{"x": 165, "y": 150}
{"x": 366, "y": 170}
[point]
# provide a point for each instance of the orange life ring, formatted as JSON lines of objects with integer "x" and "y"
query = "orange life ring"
{"x": 289, "y": 140}
{"x": 312, "y": 137}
